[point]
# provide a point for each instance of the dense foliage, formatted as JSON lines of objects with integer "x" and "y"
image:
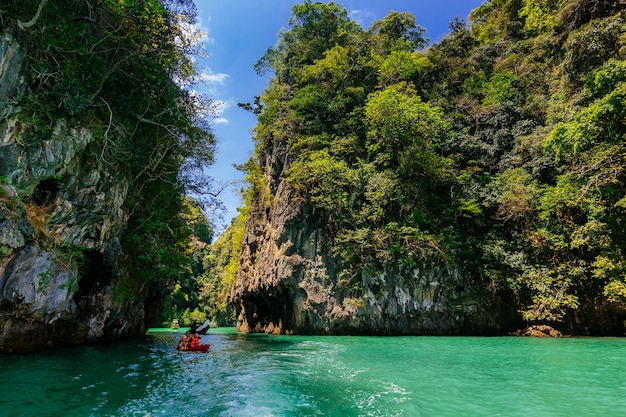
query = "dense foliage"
{"x": 183, "y": 303}
{"x": 125, "y": 70}
{"x": 499, "y": 149}
{"x": 221, "y": 262}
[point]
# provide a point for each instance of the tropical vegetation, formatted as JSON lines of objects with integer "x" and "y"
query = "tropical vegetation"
{"x": 126, "y": 71}
{"x": 499, "y": 149}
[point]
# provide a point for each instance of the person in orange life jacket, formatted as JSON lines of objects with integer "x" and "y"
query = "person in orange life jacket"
{"x": 185, "y": 342}
{"x": 195, "y": 340}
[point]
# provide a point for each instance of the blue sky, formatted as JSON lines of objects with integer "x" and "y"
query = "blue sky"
{"x": 239, "y": 32}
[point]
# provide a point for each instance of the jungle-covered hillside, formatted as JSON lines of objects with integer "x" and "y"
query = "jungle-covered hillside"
{"x": 499, "y": 150}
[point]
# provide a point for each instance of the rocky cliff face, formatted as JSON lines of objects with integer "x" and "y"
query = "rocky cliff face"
{"x": 289, "y": 283}
{"x": 61, "y": 218}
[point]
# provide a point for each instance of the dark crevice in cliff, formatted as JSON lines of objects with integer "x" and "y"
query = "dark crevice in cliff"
{"x": 95, "y": 275}
{"x": 270, "y": 310}
{"x": 152, "y": 308}
{"x": 46, "y": 191}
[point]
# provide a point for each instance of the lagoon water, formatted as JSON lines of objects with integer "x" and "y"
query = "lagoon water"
{"x": 260, "y": 375}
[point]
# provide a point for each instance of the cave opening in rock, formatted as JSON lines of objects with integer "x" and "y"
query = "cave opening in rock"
{"x": 46, "y": 191}
{"x": 273, "y": 306}
{"x": 94, "y": 275}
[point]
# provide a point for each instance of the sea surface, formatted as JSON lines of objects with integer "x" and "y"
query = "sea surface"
{"x": 261, "y": 375}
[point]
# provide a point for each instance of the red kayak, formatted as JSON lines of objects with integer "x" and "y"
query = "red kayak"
{"x": 201, "y": 348}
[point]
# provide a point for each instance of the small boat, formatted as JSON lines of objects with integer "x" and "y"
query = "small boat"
{"x": 201, "y": 329}
{"x": 200, "y": 348}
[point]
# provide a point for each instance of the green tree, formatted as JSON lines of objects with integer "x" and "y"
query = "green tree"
{"x": 403, "y": 134}
{"x": 314, "y": 28}
{"x": 124, "y": 69}
{"x": 398, "y": 31}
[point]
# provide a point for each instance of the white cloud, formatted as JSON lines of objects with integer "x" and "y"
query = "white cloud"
{"x": 219, "y": 107}
{"x": 210, "y": 77}
{"x": 361, "y": 17}
{"x": 195, "y": 33}
{"x": 211, "y": 81}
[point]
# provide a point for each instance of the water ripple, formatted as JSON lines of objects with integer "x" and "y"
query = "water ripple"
{"x": 259, "y": 375}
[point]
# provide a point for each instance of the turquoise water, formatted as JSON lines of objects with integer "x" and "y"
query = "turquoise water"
{"x": 259, "y": 375}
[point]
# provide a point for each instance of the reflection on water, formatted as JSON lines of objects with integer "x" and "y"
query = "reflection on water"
{"x": 259, "y": 375}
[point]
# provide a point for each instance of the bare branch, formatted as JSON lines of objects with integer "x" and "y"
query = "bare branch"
{"x": 106, "y": 132}
{"x": 26, "y": 25}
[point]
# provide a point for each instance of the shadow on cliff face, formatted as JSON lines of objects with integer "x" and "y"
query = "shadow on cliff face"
{"x": 93, "y": 297}
{"x": 46, "y": 191}
{"x": 95, "y": 276}
{"x": 268, "y": 311}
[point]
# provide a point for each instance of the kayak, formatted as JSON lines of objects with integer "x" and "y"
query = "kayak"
{"x": 201, "y": 348}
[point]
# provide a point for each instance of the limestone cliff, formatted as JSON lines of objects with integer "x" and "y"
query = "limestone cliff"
{"x": 61, "y": 219}
{"x": 288, "y": 281}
